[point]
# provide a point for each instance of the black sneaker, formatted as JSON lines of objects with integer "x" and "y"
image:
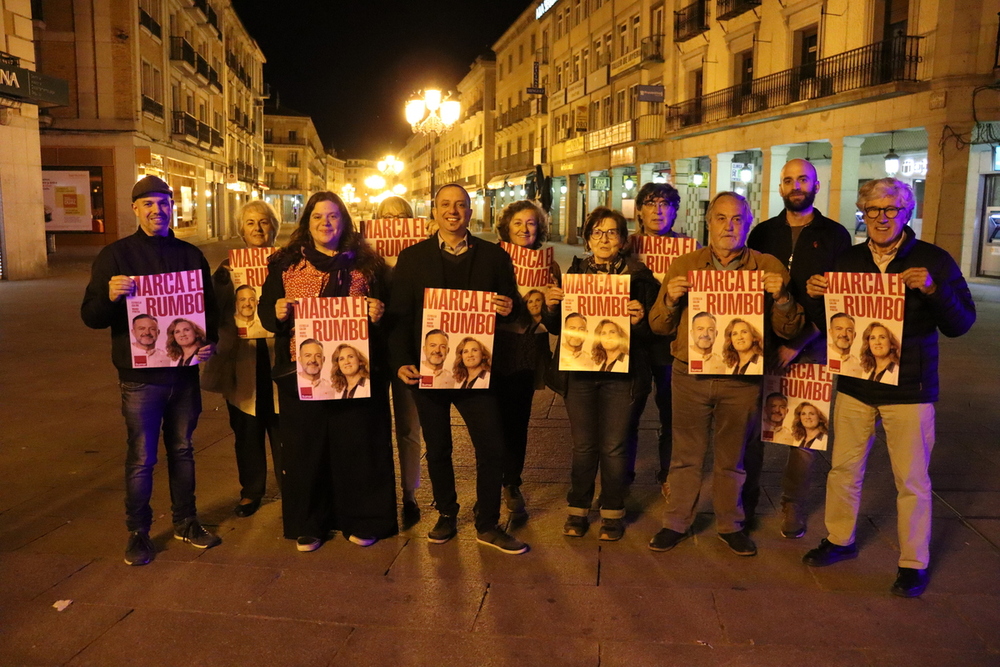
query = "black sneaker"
{"x": 740, "y": 543}
{"x": 793, "y": 523}
{"x": 308, "y": 543}
{"x": 828, "y": 553}
{"x": 612, "y": 530}
{"x": 910, "y": 582}
{"x": 445, "y": 529}
{"x": 576, "y": 526}
{"x": 192, "y": 532}
{"x": 411, "y": 514}
{"x": 513, "y": 499}
{"x": 499, "y": 539}
{"x": 140, "y": 549}
{"x": 666, "y": 539}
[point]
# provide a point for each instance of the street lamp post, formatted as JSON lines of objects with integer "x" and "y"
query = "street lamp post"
{"x": 433, "y": 116}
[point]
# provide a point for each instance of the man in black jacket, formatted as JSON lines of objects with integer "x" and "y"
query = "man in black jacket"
{"x": 807, "y": 243}
{"x": 152, "y": 398}
{"x": 937, "y": 299}
{"x": 454, "y": 259}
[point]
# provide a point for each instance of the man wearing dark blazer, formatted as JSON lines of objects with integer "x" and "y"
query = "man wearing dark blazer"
{"x": 453, "y": 258}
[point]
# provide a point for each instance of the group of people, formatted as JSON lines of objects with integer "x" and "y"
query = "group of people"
{"x": 333, "y": 458}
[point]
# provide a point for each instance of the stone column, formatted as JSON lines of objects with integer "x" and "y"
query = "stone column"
{"x": 844, "y": 179}
{"x": 775, "y": 158}
{"x": 722, "y": 172}
{"x": 945, "y": 189}
{"x": 572, "y": 207}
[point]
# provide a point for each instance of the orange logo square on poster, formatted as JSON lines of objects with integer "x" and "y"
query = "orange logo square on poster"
{"x": 306, "y": 392}
{"x": 696, "y": 365}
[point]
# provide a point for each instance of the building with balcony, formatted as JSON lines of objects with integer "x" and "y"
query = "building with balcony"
{"x": 149, "y": 90}
{"x": 294, "y": 159}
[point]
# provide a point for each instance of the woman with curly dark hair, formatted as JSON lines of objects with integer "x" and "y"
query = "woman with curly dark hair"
{"x": 184, "y": 339}
{"x": 337, "y": 455}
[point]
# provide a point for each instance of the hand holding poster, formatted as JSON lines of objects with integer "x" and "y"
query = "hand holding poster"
{"x": 873, "y": 304}
{"x": 249, "y": 269}
{"x": 657, "y": 252}
{"x": 390, "y": 236}
{"x": 457, "y": 335}
{"x": 331, "y": 343}
{"x": 731, "y": 302}
{"x": 167, "y": 319}
{"x": 595, "y": 323}
{"x": 796, "y": 408}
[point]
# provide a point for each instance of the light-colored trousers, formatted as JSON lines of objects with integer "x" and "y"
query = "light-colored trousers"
{"x": 909, "y": 431}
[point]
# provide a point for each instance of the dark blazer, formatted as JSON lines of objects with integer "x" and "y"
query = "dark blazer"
{"x": 420, "y": 266}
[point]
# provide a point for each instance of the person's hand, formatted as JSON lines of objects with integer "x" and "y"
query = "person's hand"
{"x": 376, "y": 309}
{"x": 919, "y": 278}
{"x": 409, "y": 374}
{"x": 677, "y": 287}
{"x": 283, "y": 308}
{"x": 554, "y": 295}
{"x": 205, "y": 352}
{"x": 120, "y": 286}
{"x": 816, "y": 285}
{"x": 503, "y": 304}
{"x": 784, "y": 356}
{"x": 774, "y": 285}
{"x": 635, "y": 311}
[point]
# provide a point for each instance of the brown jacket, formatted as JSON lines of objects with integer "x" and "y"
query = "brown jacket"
{"x": 786, "y": 320}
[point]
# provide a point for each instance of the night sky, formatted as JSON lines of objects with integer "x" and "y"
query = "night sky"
{"x": 352, "y": 64}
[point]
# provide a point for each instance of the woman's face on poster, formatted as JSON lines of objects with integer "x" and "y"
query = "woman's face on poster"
{"x": 809, "y": 417}
{"x": 472, "y": 355}
{"x": 534, "y": 303}
{"x": 741, "y": 337}
{"x": 524, "y": 228}
{"x": 878, "y": 343}
{"x": 610, "y": 340}
{"x": 184, "y": 334}
{"x": 348, "y": 362}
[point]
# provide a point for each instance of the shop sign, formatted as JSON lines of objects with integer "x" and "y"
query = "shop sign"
{"x": 543, "y": 7}
{"x": 600, "y": 183}
{"x": 33, "y": 87}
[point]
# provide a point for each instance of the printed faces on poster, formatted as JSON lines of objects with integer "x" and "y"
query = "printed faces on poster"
{"x": 596, "y": 330}
{"x": 331, "y": 348}
{"x": 533, "y": 273}
{"x": 795, "y": 407}
{"x": 390, "y": 236}
{"x": 456, "y": 348}
{"x": 166, "y": 318}
{"x": 657, "y": 252}
{"x": 726, "y": 323}
{"x": 249, "y": 269}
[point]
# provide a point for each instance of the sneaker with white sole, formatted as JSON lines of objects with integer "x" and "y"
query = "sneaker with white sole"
{"x": 308, "y": 543}
{"x": 499, "y": 539}
{"x": 363, "y": 541}
{"x": 192, "y": 532}
{"x": 140, "y": 549}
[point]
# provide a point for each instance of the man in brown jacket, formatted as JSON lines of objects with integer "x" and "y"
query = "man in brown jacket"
{"x": 723, "y": 409}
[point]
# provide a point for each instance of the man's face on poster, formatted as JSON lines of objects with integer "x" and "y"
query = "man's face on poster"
{"x": 146, "y": 331}
{"x": 776, "y": 410}
{"x": 575, "y": 331}
{"x": 311, "y": 357}
{"x": 843, "y": 333}
{"x": 704, "y": 332}
{"x": 436, "y": 349}
{"x": 246, "y": 302}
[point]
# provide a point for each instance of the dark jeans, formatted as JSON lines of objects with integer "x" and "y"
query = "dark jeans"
{"x": 661, "y": 383}
{"x": 481, "y": 412}
{"x": 147, "y": 408}
{"x": 515, "y": 393}
{"x": 251, "y": 455}
{"x": 599, "y": 412}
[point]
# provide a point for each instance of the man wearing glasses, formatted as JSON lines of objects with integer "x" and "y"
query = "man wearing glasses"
{"x": 937, "y": 299}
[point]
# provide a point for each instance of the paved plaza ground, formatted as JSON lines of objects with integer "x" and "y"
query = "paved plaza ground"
{"x": 254, "y": 600}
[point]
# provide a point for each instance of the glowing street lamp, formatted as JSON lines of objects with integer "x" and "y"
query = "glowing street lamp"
{"x": 390, "y": 166}
{"x": 433, "y": 115}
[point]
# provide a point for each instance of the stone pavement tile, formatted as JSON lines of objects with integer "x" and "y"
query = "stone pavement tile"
{"x": 154, "y": 638}
{"x": 437, "y": 604}
{"x": 164, "y": 584}
{"x": 604, "y": 612}
{"x": 841, "y": 620}
{"x": 416, "y": 648}
{"x": 929, "y": 657}
{"x": 978, "y": 504}
{"x": 34, "y": 633}
{"x": 18, "y": 530}
{"x": 25, "y": 576}
{"x": 984, "y": 476}
{"x": 981, "y": 612}
{"x": 73, "y": 503}
{"x": 630, "y": 654}
{"x": 13, "y": 494}
{"x": 988, "y": 528}
{"x": 563, "y": 563}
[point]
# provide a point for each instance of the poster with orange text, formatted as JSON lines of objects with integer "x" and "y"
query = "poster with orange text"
{"x": 331, "y": 348}
{"x": 457, "y": 333}
{"x": 795, "y": 408}
{"x": 248, "y": 267}
{"x": 167, "y": 319}
{"x": 726, "y": 323}
{"x": 596, "y": 329}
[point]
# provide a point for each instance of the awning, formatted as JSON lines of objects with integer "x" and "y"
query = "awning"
{"x": 517, "y": 178}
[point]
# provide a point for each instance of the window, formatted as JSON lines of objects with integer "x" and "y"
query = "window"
{"x": 577, "y": 12}
{"x": 152, "y": 82}
{"x": 293, "y": 136}
{"x": 500, "y": 71}
{"x": 293, "y": 159}
{"x": 559, "y": 25}
{"x": 268, "y": 158}
{"x": 622, "y": 39}
{"x": 606, "y": 111}
{"x": 620, "y": 106}
{"x": 268, "y": 135}
{"x": 293, "y": 181}
{"x": 807, "y": 51}
{"x": 635, "y": 32}
{"x": 520, "y": 145}
{"x": 520, "y": 54}
{"x": 531, "y": 48}
{"x": 585, "y": 61}
{"x": 594, "y": 116}
{"x": 559, "y": 80}
{"x": 598, "y": 53}
{"x": 633, "y": 102}
{"x": 576, "y": 67}
{"x": 510, "y": 62}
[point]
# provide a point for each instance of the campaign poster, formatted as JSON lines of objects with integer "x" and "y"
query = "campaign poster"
{"x": 795, "y": 409}
{"x": 657, "y": 252}
{"x": 66, "y": 197}
{"x": 533, "y": 273}
{"x": 726, "y": 323}
{"x": 595, "y": 323}
{"x": 864, "y": 313}
{"x": 166, "y": 316}
{"x": 249, "y": 269}
{"x": 331, "y": 348}
{"x": 457, "y": 339}
{"x": 390, "y": 236}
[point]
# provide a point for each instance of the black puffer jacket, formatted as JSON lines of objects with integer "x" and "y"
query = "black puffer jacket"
{"x": 949, "y": 309}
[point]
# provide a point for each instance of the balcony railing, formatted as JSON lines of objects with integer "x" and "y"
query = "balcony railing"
{"x": 181, "y": 49}
{"x": 895, "y": 59}
{"x": 205, "y": 134}
{"x": 514, "y": 162}
{"x": 185, "y": 124}
{"x": 475, "y": 108}
{"x": 149, "y": 23}
{"x": 691, "y": 21}
{"x": 149, "y": 105}
{"x": 213, "y": 79}
{"x": 201, "y": 66}
{"x": 514, "y": 114}
{"x": 729, "y": 9}
{"x": 652, "y": 49}
{"x": 542, "y": 55}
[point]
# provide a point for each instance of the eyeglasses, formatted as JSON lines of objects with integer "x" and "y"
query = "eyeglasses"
{"x": 657, "y": 203}
{"x": 891, "y": 212}
{"x": 605, "y": 234}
